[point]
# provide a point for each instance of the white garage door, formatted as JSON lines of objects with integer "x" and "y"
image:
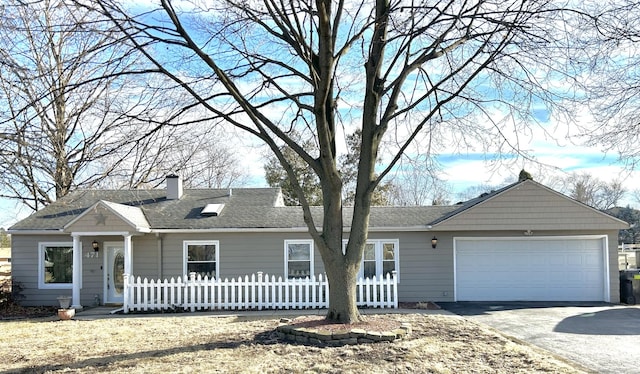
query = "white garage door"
{"x": 530, "y": 269}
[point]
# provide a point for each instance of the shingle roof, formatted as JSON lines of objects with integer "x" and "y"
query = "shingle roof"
{"x": 243, "y": 208}
{"x": 157, "y": 209}
{"x": 460, "y": 207}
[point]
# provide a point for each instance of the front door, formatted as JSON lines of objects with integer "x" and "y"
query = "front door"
{"x": 114, "y": 273}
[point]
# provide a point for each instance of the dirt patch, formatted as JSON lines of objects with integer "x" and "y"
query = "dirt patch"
{"x": 205, "y": 343}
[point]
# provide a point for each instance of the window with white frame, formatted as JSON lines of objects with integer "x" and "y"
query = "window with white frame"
{"x": 380, "y": 257}
{"x": 55, "y": 265}
{"x": 202, "y": 257}
{"x": 298, "y": 258}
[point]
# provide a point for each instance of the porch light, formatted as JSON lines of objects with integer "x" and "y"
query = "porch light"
{"x": 95, "y": 245}
{"x": 434, "y": 242}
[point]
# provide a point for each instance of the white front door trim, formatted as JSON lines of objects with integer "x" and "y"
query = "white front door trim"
{"x": 605, "y": 254}
{"x": 110, "y": 250}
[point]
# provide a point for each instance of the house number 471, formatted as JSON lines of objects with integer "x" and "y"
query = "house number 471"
{"x": 92, "y": 255}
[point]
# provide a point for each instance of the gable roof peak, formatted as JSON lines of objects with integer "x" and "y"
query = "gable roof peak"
{"x": 131, "y": 215}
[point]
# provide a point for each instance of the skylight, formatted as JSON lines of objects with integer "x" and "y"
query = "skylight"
{"x": 212, "y": 209}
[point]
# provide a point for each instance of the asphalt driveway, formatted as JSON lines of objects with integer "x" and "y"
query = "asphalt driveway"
{"x": 602, "y": 337}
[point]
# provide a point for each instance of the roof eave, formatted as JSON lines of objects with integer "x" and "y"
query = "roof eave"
{"x": 35, "y": 231}
{"x": 284, "y": 229}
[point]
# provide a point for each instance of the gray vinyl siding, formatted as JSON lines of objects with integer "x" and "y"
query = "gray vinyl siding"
{"x": 92, "y": 274}
{"x": 426, "y": 274}
{"x": 240, "y": 253}
{"x": 89, "y": 222}
{"x": 530, "y": 207}
{"x": 25, "y": 271}
{"x": 146, "y": 260}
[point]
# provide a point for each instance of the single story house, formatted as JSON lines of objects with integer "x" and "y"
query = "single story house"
{"x": 522, "y": 242}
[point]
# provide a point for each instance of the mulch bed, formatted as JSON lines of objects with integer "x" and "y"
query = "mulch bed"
{"x": 14, "y": 311}
{"x": 368, "y": 323}
{"x": 420, "y": 305}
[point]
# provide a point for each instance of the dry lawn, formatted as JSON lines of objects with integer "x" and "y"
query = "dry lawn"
{"x": 209, "y": 344}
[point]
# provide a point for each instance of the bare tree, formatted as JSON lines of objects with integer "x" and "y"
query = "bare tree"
{"x": 50, "y": 129}
{"x": 72, "y": 117}
{"x": 397, "y": 71}
{"x": 609, "y": 81}
{"x": 53, "y": 128}
{"x": 200, "y": 154}
{"x": 594, "y": 192}
{"x": 417, "y": 183}
{"x": 214, "y": 166}
{"x": 635, "y": 193}
{"x": 476, "y": 191}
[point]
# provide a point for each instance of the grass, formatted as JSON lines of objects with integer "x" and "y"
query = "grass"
{"x": 204, "y": 343}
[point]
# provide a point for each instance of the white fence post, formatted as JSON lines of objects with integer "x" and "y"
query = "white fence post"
{"x": 395, "y": 289}
{"x": 260, "y": 300}
{"x": 192, "y": 291}
{"x": 127, "y": 288}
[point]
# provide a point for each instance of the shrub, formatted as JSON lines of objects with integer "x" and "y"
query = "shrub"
{"x": 9, "y": 293}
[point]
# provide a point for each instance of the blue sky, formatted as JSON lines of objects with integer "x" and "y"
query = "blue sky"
{"x": 555, "y": 158}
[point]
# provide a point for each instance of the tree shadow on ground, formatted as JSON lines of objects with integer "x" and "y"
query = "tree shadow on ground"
{"x": 474, "y": 308}
{"x": 103, "y": 362}
{"x": 618, "y": 321}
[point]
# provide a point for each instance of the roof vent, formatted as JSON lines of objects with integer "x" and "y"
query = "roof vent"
{"x": 212, "y": 209}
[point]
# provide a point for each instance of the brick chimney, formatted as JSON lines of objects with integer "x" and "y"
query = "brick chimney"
{"x": 174, "y": 187}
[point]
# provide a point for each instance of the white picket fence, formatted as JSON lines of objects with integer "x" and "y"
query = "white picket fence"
{"x": 255, "y": 292}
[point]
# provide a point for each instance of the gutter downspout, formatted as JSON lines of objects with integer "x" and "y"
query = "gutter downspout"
{"x": 160, "y": 257}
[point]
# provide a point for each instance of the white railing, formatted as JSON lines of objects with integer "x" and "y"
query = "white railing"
{"x": 255, "y": 292}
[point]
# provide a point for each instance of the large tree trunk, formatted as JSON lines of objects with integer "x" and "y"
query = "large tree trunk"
{"x": 342, "y": 292}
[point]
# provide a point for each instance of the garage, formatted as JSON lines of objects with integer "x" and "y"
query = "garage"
{"x": 531, "y": 269}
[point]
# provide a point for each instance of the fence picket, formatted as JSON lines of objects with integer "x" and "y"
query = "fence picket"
{"x": 193, "y": 292}
{"x": 259, "y": 286}
{"x": 246, "y": 286}
{"x": 280, "y": 304}
{"x": 226, "y": 294}
{"x": 376, "y": 282}
{"x": 178, "y": 287}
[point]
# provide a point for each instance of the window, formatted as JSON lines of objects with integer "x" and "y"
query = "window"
{"x": 201, "y": 257}
{"x": 369, "y": 261}
{"x": 380, "y": 257}
{"x": 298, "y": 258}
{"x": 55, "y": 264}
